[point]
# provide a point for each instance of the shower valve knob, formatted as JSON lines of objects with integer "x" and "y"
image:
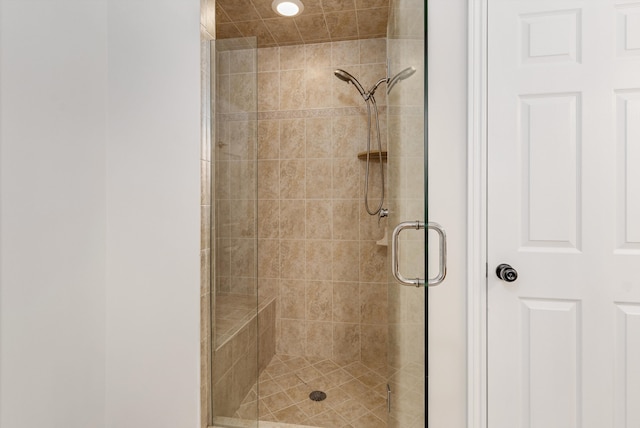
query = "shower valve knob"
{"x": 506, "y": 273}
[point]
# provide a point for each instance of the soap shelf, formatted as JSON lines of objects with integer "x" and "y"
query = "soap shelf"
{"x": 375, "y": 155}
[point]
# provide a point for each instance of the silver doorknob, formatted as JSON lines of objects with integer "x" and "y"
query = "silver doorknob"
{"x": 506, "y": 273}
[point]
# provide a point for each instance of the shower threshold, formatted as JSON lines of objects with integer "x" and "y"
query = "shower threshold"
{"x": 240, "y": 423}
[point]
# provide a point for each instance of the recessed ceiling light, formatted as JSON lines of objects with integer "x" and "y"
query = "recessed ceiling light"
{"x": 287, "y": 7}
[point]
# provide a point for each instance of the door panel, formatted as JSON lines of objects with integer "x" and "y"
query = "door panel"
{"x": 406, "y": 202}
{"x": 234, "y": 366}
{"x": 563, "y": 137}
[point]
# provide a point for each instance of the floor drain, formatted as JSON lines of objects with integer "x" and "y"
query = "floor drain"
{"x": 317, "y": 395}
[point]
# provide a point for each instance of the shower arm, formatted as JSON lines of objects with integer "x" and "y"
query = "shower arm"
{"x": 373, "y": 89}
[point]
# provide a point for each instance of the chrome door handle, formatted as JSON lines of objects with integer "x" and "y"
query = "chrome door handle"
{"x": 442, "y": 261}
{"x": 506, "y": 273}
{"x": 395, "y": 263}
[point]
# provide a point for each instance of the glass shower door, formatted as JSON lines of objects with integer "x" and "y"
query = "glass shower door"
{"x": 406, "y": 353}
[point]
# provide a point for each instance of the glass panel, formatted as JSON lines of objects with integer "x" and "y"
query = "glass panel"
{"x": 406, "y": 136}
{"x": 234, "y": 234}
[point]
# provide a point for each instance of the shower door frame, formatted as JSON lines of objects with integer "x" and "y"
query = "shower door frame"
{"x": 477, "y": 73}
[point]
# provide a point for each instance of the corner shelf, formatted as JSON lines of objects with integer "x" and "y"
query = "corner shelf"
{"x": 376, "y": 155}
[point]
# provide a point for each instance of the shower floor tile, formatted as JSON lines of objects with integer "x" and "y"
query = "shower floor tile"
{"x": 356, "y": 394}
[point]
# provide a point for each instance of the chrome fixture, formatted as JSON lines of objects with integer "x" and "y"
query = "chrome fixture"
{"x": 506, "y": 273}
{"x": 374, "y": 87}
{"x": 395, "y": 263}
{"x": 368, "y": 99}
{"x": 348, "y": 77}
{"x": 404, "y": 74}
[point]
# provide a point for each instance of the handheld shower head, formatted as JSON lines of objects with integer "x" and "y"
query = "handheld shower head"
{"x": 404, "y": 74}
{"x": 347, "y": 77}
{"x": 370, "y": 101}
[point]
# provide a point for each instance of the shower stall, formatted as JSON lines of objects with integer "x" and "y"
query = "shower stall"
{"x": 538, "y": 317}
{"x": 310, "y": 176}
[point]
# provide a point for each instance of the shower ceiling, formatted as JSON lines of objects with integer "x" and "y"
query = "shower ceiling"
{"x": 321, "y": 21}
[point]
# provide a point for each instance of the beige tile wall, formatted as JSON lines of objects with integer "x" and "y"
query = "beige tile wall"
{"x": 235, "y": 370}
{"x": 235, "y": 169}
{"x": 317, "y": 246}
{"x": 238, "y": 361}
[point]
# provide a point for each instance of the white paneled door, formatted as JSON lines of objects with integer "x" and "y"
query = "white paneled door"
{"x": 564, "y": 212}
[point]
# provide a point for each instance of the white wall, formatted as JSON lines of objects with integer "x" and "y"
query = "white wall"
{"x": 153, "y": 214}
{"x": 447, "y": 31}
{"x": 99, "y": 213}
{"x": 52, "y": 216}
